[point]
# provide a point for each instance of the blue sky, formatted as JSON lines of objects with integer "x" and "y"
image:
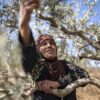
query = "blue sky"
{"x": 83, "y": 7}
{"x": 97, "y": 10}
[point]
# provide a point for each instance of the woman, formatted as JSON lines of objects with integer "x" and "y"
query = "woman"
{"x": 42, "y": 56}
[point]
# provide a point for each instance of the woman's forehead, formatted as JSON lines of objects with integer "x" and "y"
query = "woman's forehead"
{"x": 44, "y": 38}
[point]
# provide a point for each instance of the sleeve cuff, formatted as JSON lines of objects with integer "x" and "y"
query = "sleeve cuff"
{"x": 63, "y": 82}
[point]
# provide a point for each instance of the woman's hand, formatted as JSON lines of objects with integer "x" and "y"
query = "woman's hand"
{"x": 26, "y": 8}
{"x": 47, "y": 85}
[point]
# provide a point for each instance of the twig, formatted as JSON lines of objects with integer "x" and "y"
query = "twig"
{"x": 67, "y": 90}
{"x": 66, "y": 31}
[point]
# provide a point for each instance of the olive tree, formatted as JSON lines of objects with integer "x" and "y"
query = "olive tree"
{"x": 59, "y": 18}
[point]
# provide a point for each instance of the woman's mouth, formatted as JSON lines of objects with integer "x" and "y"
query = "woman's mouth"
{"x": 49, "y": 51}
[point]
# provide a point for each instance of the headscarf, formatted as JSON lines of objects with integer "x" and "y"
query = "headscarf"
{"x": 55, "y": 67}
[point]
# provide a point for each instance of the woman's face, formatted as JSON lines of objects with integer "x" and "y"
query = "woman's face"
{"x": 48, "y": 49}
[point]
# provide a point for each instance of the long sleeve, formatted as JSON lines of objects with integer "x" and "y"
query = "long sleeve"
{"x": 73, "y": 73}
{"x": 81, "y": 73}
{"x": 29, "y": 55}
{"x": 76, "y": 72}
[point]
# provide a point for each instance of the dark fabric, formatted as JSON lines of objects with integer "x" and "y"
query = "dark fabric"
{"x": 28, "y": 53}
{"x": 55, "y": 68}
{"x": 42, "y": 96}
{"x": 32, "y": 61}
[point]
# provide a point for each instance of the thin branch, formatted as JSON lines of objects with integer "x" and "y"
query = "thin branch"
{"x": 29, "y": 87}
{"x": 83, "y": 47}
{"x": 66, "y": 31}
{"x": 74, "y": 85}
{"x": 93, "y": 57}
{"x": 53, "y": 23}
{"x": 67, "y": 90}
{"x": 5, "y": 92}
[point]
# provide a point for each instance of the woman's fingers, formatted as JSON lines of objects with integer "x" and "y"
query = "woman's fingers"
{"x": 46, "y": 85}
{"x": 31, "y": 4}
{"x": 31, "y": 7}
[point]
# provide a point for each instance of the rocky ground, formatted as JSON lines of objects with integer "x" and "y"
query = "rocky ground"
{"x": 90, "y": 92}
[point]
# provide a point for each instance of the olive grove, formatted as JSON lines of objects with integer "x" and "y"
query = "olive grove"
{"x": 77, "y": 38}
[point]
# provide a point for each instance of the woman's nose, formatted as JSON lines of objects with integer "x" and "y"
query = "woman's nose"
{"x": 48, "y": 44}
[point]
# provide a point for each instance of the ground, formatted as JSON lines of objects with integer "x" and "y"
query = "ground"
{"x": 90, "y": 92}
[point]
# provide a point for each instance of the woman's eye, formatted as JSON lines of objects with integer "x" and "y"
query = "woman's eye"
{"x": 51, "y": 43}
{"x": 44, "y": 43}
